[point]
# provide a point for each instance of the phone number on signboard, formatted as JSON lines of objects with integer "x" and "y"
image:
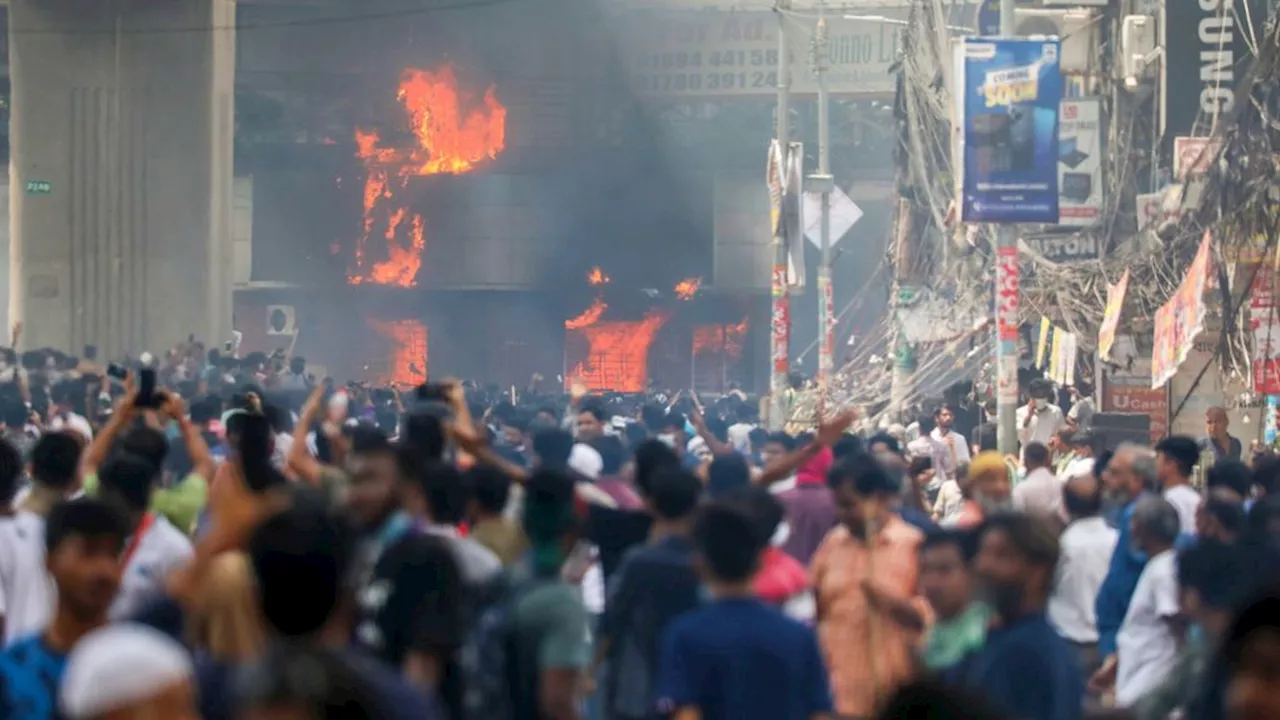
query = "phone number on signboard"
{"x": 695, "y": 82}
{"x": 716, "y": 70}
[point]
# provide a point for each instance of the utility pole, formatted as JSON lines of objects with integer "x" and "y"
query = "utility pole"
{"x": 780, "y": 326}
{"x": 1006, "y": 277}
{"x": 823, "y": 183}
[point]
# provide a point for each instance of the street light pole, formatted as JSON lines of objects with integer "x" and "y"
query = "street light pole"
{"x": 780, "y": 325}
{"x": 823, "y": 183}
{"x": 1006, "y": 279}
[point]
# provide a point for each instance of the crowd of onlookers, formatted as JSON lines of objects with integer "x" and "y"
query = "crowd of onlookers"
{"x": 248, "y": 541}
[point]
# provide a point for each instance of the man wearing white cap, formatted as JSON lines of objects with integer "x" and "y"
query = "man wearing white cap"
{"x": 128, "y": 672}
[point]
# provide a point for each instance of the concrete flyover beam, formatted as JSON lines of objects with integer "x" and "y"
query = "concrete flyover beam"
{"x": 121, "y": 172}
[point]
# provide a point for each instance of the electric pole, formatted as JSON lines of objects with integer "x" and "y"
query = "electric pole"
{"x": 780, "y": 325}
{"x": 1006, "y": 280}
{"x": 823, "y": 183}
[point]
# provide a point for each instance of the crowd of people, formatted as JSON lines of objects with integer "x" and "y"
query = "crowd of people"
{"x": 206, "y": 536}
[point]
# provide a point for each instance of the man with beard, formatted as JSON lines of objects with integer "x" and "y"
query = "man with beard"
{"x": 1147, "y": 643}
{"x": 1128, "y": 477}
{"x": 864, "y": 578}
{"x": 988, "y": 491}
{"x": 1026, "y": 669}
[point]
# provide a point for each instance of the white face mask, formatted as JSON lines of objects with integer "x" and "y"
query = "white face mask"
{"x": 667, "y": 439}
{"x": 992, "y": 417}
{"x": 1041, "y": 403}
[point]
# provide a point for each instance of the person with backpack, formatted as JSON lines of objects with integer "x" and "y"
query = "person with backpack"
{"x": 654, "y": 584}
{"x": 525, "y": 655}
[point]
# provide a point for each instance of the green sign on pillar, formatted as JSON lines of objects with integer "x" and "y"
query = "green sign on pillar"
{"x": 39, "y": 187}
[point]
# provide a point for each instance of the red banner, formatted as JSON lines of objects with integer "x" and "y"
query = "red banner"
{"x": 1179, "y": 321}
{"x": 1264, "y": 321}
{"x": 781, "y": 321}
{"x": 1007, "y": 293}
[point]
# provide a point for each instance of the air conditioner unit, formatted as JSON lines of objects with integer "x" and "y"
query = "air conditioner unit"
{"x": 1077, "y": 29}
{"x": 281, "y": 320}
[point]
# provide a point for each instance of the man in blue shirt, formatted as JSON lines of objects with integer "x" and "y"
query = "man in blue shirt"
{"x": 654, "y": 584}
{"x": 1130, "y": 475}
{"x": 86, "y": 550}
{"x": 737, "y": 658}
{"x": 1025, "y": 669}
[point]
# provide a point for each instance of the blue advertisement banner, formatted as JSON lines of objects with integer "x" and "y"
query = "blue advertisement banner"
{"x": 1009, "y": 119}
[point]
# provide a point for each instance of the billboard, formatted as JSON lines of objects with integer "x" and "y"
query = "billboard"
{"x": 1080, "y": 186}
{"x": 1010, "y": 91}
{"x": 1209, "y": 55}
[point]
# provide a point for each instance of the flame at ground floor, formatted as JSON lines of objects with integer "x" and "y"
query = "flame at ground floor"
{"x": 391, "y": 335}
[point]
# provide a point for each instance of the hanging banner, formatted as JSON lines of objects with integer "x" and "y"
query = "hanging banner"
{"x": 1069, "y": 351}
{"x": 1179, "y": 321}
{"x": 1055, "y": 352}
{"x": 785, "y": 206}
{"x": 1008, "y": 115}
{"x": 1111, "y": 316}
{"x": 1043, "y": 343}
{"x": 1080, "y": 185}
{"x": 1264, "y": 321}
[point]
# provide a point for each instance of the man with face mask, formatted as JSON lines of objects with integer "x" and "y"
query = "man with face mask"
{"x": 1026, "y": 669}
{"x": 1039, "y": 420}
{"x": 864, "y": 577}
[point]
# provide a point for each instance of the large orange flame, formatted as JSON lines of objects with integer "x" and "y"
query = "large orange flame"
{"x": 618, "y": 354}
{"x": 452, "y": 134}
{"x": 408, "y": 352}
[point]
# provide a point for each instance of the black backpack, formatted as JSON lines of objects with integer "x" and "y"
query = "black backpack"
{"x": 492, "y": 670}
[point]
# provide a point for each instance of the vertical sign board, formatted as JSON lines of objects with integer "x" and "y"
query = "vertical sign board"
{"x": 1010, "y": 95}
{"x": 1209, "y": 43}
{"x": 1080, "y": 197}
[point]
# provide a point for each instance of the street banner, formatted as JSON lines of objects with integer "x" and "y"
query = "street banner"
{"x": 1055, "y": 353}
{"x": 1080, "y": 187}
{"x": 1264, "y": 321}
{"x": 1181, "y": 319}
{"x": 1111, "y": 315}
{"x": 1010, "y": 92}
{"x": 1043, "y": 343}
{"x": 785, "y": 207}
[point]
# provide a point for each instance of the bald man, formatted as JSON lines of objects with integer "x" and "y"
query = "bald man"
{"x": 1221, "y": 443}
{"x": 1086, "y": 547}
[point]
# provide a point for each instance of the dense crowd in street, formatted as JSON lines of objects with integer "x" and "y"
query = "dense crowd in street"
{"x": 207, "y": 536}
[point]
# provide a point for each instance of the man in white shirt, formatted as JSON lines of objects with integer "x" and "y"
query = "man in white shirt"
{"x": 954, "y": 450}
{"x": 27, "y": 589}
{"x": 1147, "y": 643}
{"x": 1081, "y": 455}
{"x": 1176, "y": 458}
{"x": 1080, "y": 416}
{"x": 1040, "y": 493}
{"x": 155, "y": 548}
{"x": 1039, "y": 420}
{"x": 1086, "y": 547}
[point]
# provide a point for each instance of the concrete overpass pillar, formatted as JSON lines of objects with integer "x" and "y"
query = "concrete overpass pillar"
{"x": 121, "y": 172}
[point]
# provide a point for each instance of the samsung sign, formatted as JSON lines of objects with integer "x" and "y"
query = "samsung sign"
{"x": 1218, "y": 31}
